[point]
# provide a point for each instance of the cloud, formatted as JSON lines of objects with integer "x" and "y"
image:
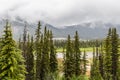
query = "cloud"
{"x": 62, "y": 12}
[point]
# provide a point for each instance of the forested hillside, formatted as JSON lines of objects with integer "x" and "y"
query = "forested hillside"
{"x": 34, "y": 56}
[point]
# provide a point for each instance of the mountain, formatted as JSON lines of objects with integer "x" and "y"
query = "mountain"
{"x": 87, "y": 30}
{"x": 18, "y": 27}
{"x": 90, "y": 30}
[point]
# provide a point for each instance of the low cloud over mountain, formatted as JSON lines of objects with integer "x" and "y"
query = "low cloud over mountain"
{"x": 86, "y": 30}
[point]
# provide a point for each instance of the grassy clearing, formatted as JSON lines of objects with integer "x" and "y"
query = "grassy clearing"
{"x": 90, "y": 49}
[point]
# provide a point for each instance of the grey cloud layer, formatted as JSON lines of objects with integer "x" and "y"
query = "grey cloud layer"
{"x": 62, "y": 12}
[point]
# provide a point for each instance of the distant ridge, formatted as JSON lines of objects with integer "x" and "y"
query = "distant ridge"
{"x": 89, "y": 30}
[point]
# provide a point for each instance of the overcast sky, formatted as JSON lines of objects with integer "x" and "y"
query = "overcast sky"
{"x": 62, "y": 12}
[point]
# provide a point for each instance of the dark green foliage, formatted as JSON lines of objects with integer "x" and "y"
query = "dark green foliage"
{"x": 24, "y": 46}
{"x": 30, "y": 59}
{"x": 111, "y": 55}
{"x": 46, "y": 61}
{"x": 11, "y": 61}
{"x": 82, "y": 43}
{"x": 73, "y": 60}
{"x": 38, "y": 50}
{"x": 101, "y": 61}
{"x": 38, "y": 32}
{"x": 77, "y": 55}
{"x": 45, "y": 57}
{"x": 108, "y": 60}
{"x": 114, "y": 55}
{"x": 53, "y": 59}
{"x": 59, "y": 43}
{"x": 89, "y": 43}
{"x": 69, "y": 60}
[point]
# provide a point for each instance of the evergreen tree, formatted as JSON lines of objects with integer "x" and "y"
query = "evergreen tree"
{"x": 30, "y": 60}
{"x": 69, "y": 60}
{"x": 11, "y": 61}
{"x": 53, "y": 59}
{"x": 108, "y": 60}
{"x": 24, "y": 46}
{"x": 115, "y": 54}
{"x": 45, "y": 57}
{"x": 92, "y": 65}
{"x": 38, "y": 32}
{"x": 101, "y": 61}
{"x": 40, "y": 63}
{"x": 77, "y": 52}
{"x": 38, "y": 51}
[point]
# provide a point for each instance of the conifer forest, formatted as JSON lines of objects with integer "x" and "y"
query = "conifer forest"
{"x": 36, "y": 56}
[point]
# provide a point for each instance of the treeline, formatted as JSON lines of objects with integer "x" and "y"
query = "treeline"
{"x": 83, "y": 43}
{"x": 34, "y": 57}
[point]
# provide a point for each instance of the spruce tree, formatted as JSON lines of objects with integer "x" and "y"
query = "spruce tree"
{"x": 92, "y": 65}
{"x": 45, "y": 57}
{"x": 40, "y": 66}
{"x": 77, "y": 55}
{"x": 11, "y": 60}
{"x": 30, "y": 59}
{"x": 24, "y": 46}
{"x": 69, "y": 60}
{"x": 38, "y": 51}
{"x": 107, "y": 59}
{"x": 53, "y": 59}
{"x": 38, "y": 32}
{"x": 115, "y": 53}
{"x": 101, "y": 61}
